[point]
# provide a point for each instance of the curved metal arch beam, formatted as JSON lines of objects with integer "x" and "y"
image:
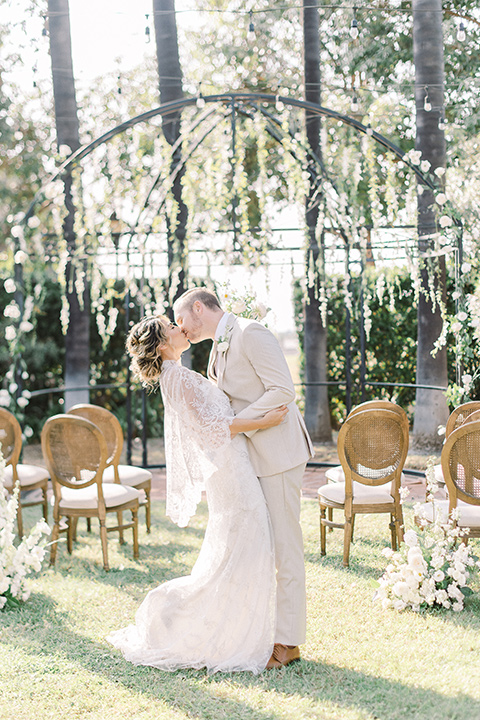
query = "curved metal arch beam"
{"x": 228, "y": 98}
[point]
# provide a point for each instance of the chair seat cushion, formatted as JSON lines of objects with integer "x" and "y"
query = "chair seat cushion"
{"x": 336, "y": 474}
{"x": 129, "y": 475}
{"x": 87, "y": 498}
{"x": 439, "y": 479}
{"x": 362, "y": 494}
{"x": 27, "y": 474}
{"x": 469, "y": 514}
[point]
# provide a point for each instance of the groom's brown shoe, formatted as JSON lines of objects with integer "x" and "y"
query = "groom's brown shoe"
{"x": 283, "y": 655}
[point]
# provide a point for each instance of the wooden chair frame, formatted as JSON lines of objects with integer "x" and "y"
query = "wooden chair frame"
{"x": 112, "y": 430}
{"x": 71, "y": 424}
{"x": 459, "y": 415}
{"x": 455, "y": 492}
{"x": 7, "y": 419}
{"x": 349, "y": 506}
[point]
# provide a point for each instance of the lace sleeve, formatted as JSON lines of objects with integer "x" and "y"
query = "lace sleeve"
{"x": 197, "y": 436}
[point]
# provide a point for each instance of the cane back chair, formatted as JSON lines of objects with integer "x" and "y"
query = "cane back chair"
{"x": 128, "y": 475}
{"x": 28, "y": 477}
{"x": 461, "y": 469}
{"x": 372, "y": 447}
{"x": 76, "y": 453}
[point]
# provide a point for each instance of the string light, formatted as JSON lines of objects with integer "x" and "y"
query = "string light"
{"x": 119, "y": 89}
{"x": 369, "y": 130}
{"x": 251, "y": 29}
{"x": 200, "y": 102}
{"x": 354, "y": 106}
{"x": 278, "y": 104}
{"x": 442, "y": 123}
{"x": 354, "y": 26}
{"x": 147, "y": 29}
{"x": 45, "y": 26}
{"x": 461, "y": 34}
{"x": 427, "y": 106}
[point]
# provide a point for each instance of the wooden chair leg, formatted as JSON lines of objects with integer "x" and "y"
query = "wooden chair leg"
{"x": 103, "y": 539}
{"x": 393, "y": 532}
{"x": 148, "y": 516}
{"x": 121, "y": 539}
{"x": 19, "y": 518}
{"x": 330, "y": 517}
{"x": 347, "y": 538}
{"x": 353, "y": 527}
{"x": 89, "y": 524}
{"x": 53, "y": 542}
{"x": 71, "y": 533}
{"x": 45, "y": 504}
{"x": 323, "y": 532}
{"x": 135, "y": 533}
{"x": 74, "y": 523}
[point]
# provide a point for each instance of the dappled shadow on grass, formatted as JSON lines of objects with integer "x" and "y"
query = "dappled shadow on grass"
{"x": 309, "y": 685}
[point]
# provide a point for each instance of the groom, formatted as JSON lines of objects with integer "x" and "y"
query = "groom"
{"x": 247, "y": 363}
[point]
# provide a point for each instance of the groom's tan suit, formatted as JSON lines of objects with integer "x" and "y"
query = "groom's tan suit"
{"x": 253, "y": 372}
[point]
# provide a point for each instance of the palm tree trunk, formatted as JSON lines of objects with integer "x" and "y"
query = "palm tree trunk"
{"x": 170, "y": 84}
{"x": 77, "y": 348}
{"x": 430, "y": 405}
{"x": 317, "y": 413}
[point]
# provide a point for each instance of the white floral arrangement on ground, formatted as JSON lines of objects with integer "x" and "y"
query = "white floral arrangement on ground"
{"x": 17, "y": 561}
{"x": 246, "y": 305}
{"x": 432, "y": 566}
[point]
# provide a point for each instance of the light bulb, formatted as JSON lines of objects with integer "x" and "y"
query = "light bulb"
{"x": 461, "y": 34}
{"x": 354, "y": 29}
{"x": 278, "y": 104}
{"x": 427, "y": 106}
{"x": 441, "y": 123}
{"x": 369, "y": 130}
{"x": 200, "y": 102}
{"x": 354, "y": 105}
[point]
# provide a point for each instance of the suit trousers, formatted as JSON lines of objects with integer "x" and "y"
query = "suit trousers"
{"x": 282, "y": 494}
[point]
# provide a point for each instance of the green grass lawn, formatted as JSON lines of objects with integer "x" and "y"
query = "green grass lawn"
{"x": 359, "y": 662}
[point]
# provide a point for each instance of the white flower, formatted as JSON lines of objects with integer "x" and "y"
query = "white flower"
{"x": 416, "y": 561}
{"x": 415, "y": 156}
{"x": 462, "y": 316}
{"x": 466, "y": 267}
{"x": 4, "y": 398}
{"x": 425, "y": 166}
{"x": 438, "y": 576}
{"x": 439, "y": 171}
{"x": 12, "y": 310}
{"x": 456, "y": 327}
{"x": 262, "y": 310}
{"x": 410, "y": 538}
{"x": 10, "y": 332}
{"x": 22, "y": 402}
{"x": 445, "y": 221}
{"x": 9, "y": 285}
{"x": 20, "y": 257}
{"x": 222, "y": 346}
{"x": 238, "y": 306}
{"x": 441, "y": 198}
{"x": 25, "y": 326}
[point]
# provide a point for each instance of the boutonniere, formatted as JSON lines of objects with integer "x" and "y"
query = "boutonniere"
{"x": 223, "y": 342}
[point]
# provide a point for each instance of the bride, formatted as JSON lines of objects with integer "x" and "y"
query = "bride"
{"x": 222, "y": 616}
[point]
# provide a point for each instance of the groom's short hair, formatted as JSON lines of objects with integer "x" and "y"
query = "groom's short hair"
{"x": 204, "y": 295}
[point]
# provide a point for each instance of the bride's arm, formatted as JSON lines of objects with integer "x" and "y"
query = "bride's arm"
{"x": 270, "y": 419}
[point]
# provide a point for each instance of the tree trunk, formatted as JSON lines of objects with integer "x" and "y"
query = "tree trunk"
{"x": 317, "y": 412}
{"x": 430, "y": 405}
{"x": 77, "y": 346}
{"x": 170, "y": 84}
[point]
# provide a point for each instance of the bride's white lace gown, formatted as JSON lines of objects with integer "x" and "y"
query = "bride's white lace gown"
{"x": 222, "y": 616}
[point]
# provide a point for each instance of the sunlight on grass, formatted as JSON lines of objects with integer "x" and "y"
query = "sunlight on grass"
{"x": 359, "y": 663}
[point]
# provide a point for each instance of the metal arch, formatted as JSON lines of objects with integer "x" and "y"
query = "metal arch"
{"x": 229, "y": 99}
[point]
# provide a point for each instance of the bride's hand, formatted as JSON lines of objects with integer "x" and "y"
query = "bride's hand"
{"x": 274, "y": 417}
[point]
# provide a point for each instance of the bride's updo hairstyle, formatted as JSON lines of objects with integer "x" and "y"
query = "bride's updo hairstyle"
{"x": 143, "y": 346}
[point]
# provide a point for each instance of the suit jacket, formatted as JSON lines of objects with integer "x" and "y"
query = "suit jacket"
{"x": 254, "y": 374}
